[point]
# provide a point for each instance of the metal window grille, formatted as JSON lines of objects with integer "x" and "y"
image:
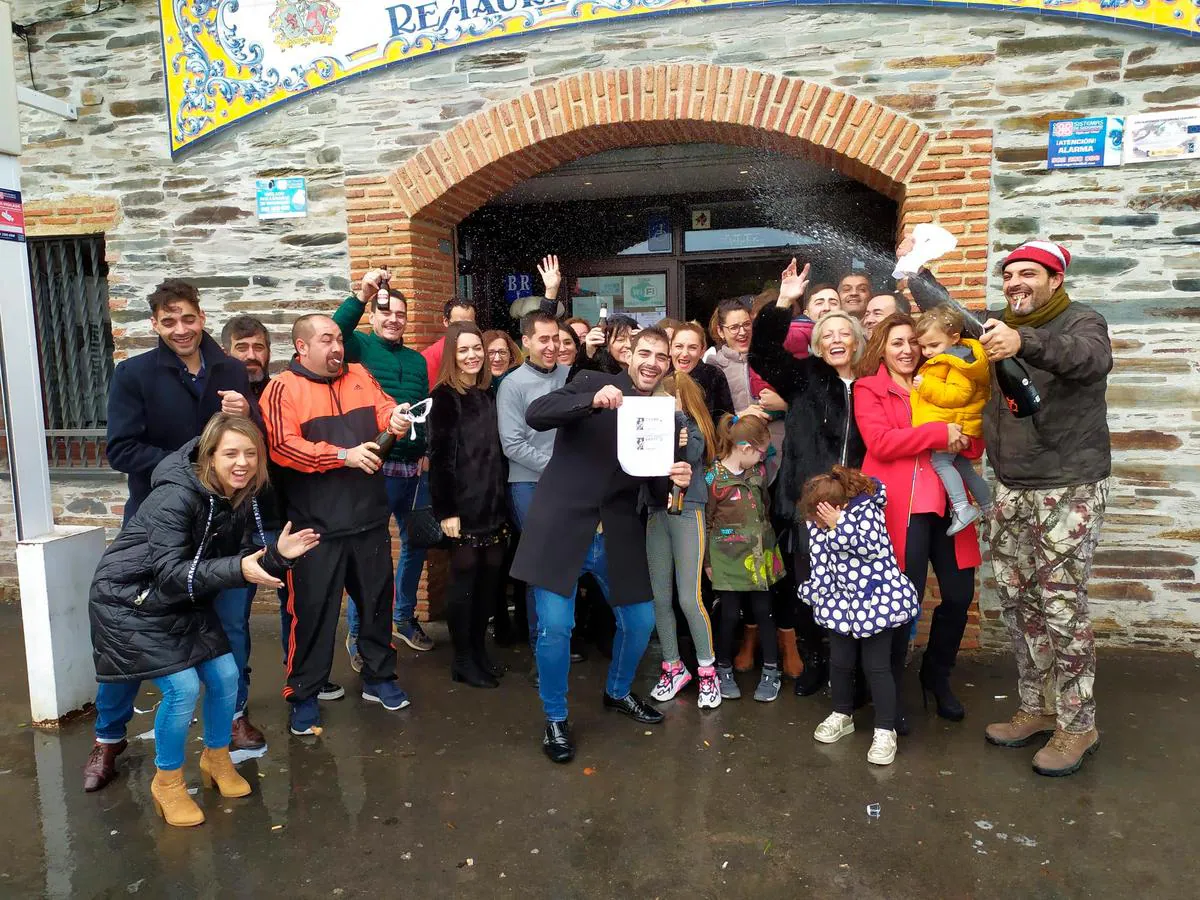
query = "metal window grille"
{"x": 75, "y": 346}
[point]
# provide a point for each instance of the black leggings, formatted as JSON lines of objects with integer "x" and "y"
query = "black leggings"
{"x": 756, "y": 603}
{"x": 878, "y": 661}
{"x": 475, "y": 574}
{"x": 928, "y": 543}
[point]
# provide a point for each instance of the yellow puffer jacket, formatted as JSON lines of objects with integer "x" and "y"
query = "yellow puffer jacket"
{"x": 954, "y": 390}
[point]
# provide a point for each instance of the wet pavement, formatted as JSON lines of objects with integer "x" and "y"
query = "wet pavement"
{"x": 453, "y": 798}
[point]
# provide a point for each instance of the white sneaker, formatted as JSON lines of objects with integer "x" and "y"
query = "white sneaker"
{"x": 883, "y": 748}
{"x": 671, "y": 682}
{"x": 710, "y": 690}
{"x": 833, "y": 729}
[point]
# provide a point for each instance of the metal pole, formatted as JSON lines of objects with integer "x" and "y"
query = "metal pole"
{"x": 19, "y": 366}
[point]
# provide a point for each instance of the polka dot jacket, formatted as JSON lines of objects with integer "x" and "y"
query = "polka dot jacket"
{"x": 856, "y": 588}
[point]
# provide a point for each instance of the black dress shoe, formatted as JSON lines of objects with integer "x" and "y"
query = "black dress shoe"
{"x": 634, "y": 707}
{"x": 577, "y": 655}
{"x": 490, "y": 666}
{"x": 557, "y": 743}
{"x": 901, "y": 726}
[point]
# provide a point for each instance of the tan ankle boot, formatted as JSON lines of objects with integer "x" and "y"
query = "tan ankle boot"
{"x": 1022, "y": 729}
{"x": 216, "y": 766}
{"x": 171, "y": 800}
{"x": 789, "y": 656}
{"x": 744, "y": 661}
{"x": 1065, "y": 752}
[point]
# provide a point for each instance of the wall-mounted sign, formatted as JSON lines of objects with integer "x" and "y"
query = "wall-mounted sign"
{"x": 12, "y": 216}
{"x": 658, "y": 236}
{"x": 701, "y": 219}
{"x": 516, "y": 286}
{"x": 228, "y": 59}
{"x": 281, "y": 198}
{"x": 1163, "y": 135}
{"x": 1085, "y": 143}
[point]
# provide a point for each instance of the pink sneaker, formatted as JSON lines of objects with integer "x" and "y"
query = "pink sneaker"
{"x": 710, "y": 688}
{"x": 675, "y": 677}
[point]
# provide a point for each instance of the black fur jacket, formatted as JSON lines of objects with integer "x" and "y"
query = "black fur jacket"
{"x": 467, "y": 471}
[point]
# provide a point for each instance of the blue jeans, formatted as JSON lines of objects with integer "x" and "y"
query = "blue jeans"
{"x": 402, "y": 494}
{"x": 556, "y": 618}
{"x": 520, "y": 495}
{"x": 114, "y": 700}
{"x": 179, "y": 695}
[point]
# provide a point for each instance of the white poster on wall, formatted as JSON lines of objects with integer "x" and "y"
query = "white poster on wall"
{"x": 646, "y": 435}
{"x": 1154, "y": 137}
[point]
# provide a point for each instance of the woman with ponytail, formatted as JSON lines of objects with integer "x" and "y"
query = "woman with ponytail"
{"x": 675, "y": 544}
{"x": 742, "y": 558}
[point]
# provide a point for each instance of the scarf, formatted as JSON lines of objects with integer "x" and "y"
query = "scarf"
{"x": 1039, "y": 317}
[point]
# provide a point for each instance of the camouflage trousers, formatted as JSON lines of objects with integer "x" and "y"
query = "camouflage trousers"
{"x": 1042, "y": 547}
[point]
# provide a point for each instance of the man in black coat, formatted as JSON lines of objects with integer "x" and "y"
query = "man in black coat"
{"x": 584, "y": 515}
{"x": 158, "y": 401}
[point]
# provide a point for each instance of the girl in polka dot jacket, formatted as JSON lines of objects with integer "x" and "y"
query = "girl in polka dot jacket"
{"x": 858, "y": 593}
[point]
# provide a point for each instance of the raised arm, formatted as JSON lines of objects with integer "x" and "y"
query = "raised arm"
{"x": 768, "y": 357}
{"x": 1084, "y": 354}
{"x": 347, "y": 316}
{"x": 570, "y": 403}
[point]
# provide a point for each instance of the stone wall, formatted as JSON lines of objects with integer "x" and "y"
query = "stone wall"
{"x": 1132, "y": 230}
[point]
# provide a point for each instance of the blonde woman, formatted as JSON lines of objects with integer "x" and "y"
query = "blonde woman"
{"x": 151, "y": 602}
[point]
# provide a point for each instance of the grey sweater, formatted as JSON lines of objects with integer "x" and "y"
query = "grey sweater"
{"x": 528, "y": 451}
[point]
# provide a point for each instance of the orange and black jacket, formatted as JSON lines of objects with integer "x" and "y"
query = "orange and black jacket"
{"x": 309, "y": 419}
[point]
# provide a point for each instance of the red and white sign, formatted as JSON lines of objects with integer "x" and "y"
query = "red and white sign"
{"x": 12, "y": 216}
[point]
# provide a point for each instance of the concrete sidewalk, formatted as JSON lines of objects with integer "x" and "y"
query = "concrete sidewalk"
{"x": 453, "y": 798}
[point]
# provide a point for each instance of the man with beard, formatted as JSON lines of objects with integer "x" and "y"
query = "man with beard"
{"x": 245, "y": 338}
{"x": 322, "y": 417}
{"x": 584, "y": 518}
{"x": 1053, "y": 471}
{"x": 854, "y": 290}
{"x": 158, "y": 401}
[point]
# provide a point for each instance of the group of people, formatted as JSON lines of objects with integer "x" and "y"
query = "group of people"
{"x": 826, "y": 441}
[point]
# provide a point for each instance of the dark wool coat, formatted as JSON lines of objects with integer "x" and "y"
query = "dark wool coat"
{"x": 583, "y": 486}
{"x": 819, "y": 429}
{"x": 468, "y": 474}
{"x": 152, "y": 411}
{"x": 151, "y": 601}
{"x": 716, "y": 390}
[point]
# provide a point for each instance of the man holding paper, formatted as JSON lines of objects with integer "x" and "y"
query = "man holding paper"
{"x": 584, "y": 517}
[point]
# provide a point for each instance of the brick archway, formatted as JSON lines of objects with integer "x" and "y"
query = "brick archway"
{"x": 405, "y": 219}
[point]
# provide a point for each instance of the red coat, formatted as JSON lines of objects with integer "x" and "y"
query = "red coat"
{"x": 898, "y": 455}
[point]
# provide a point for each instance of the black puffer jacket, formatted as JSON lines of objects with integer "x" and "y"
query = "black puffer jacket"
{"x": 819, "y": 429}
{"x": 151, "y": 599}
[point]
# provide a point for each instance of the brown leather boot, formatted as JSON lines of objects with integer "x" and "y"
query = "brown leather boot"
{"x": 1065, "y": 752}
{"x": 1022, "y": 729}
{"x": 245, "y": 735}
{"x": 744, "y": 661}
{"x": 171, "y": 799}
{"x": 789, "y": 655}
{"x": 216, "y": 766}
{"x": 101, "y": 765}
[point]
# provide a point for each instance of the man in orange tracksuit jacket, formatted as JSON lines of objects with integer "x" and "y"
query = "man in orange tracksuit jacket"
{"x": 322, "y": 417}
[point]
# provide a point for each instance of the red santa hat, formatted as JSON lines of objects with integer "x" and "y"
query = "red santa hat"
{"x": 1054, "y": 257}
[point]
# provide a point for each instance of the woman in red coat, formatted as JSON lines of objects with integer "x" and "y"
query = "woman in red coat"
{"x": 898, "y": 455}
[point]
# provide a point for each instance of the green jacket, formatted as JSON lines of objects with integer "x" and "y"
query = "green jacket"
{"x": 741, "y": 548}
{"x": 400, "y": 371}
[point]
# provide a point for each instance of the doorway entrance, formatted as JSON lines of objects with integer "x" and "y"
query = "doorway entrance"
{"x": 657, "y": 232}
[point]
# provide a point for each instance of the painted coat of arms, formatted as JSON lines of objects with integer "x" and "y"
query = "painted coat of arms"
{"x": 300, "y": 22}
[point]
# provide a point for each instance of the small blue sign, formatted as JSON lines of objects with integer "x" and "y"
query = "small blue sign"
{"x": 658, "y": 238}
{"x": 1085, "y": 143}
{"x": 281, "y": 198}
{"x": 516, "y": 286}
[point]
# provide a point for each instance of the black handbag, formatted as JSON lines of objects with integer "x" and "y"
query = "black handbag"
{"x": 424, "y": 530}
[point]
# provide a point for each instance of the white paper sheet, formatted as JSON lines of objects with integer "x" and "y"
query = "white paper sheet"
{"x": 646, "y": 435}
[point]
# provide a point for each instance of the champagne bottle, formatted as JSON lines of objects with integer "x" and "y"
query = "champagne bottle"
{"x": 386, "y": 441}
{"x": 1015, "y": 383}
{"x": 675, "y": 498}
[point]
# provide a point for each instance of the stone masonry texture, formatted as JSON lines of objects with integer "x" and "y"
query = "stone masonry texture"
{"x": 945, "y": 111}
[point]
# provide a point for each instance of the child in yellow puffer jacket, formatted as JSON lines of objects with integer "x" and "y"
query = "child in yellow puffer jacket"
{"x": 953, "y": 385}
